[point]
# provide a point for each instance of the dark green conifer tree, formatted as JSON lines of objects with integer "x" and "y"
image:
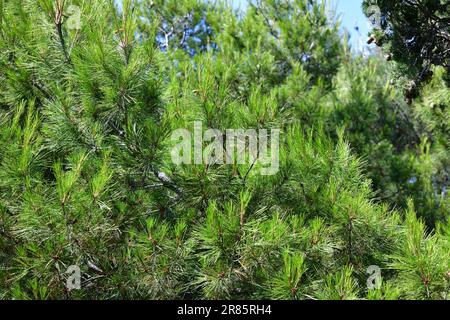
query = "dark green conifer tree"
{"x": 87, "y": 109}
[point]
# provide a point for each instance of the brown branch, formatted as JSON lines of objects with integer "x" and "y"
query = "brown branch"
{"x": 58, "y": 23}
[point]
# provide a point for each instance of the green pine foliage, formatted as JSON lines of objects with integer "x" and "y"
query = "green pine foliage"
{"x": 86, "y": 176}
{"x": 405, "y": 148}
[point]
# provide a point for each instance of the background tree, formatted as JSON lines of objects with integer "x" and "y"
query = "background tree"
{"x": 416, "y": 33}
{"x": 86, "y": 176}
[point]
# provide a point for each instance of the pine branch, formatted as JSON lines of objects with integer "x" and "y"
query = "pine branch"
{"x": 59, "y": 13}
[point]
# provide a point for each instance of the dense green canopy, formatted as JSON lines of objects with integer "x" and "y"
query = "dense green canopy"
{"x": 416, "y": 34}
{"x": 90, "y": 94}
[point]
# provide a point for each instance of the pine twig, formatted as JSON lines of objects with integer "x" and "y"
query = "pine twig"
{"x": 58, "y": 23}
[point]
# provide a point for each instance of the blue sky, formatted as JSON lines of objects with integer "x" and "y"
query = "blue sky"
{"x": 354, "y": 20}
{"x": 351, "y": 14}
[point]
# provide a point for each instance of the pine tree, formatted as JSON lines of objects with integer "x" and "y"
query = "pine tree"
{"x": 86, "y": 177}
{"x": 415, "y": 34}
